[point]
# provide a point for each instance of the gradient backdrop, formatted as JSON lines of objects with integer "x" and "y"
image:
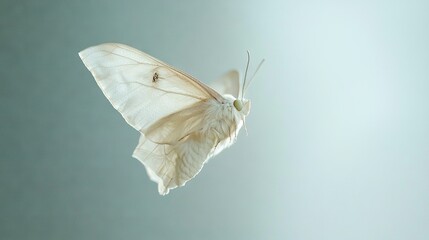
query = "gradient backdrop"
{"x": 338, "y": 144}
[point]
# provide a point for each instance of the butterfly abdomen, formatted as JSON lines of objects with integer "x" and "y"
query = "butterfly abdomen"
{"x": 219, "y": 125}
{"x": 191, "y": 156}
{"x": 182, "y": 161}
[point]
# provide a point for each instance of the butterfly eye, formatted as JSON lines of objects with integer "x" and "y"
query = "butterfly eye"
{"x": 238, "y": 105}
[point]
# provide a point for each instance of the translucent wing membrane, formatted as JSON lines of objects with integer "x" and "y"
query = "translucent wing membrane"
{"x": 142, "y": 88}
{"x": 229, "y": 83}
{"x": 172, "y": 166}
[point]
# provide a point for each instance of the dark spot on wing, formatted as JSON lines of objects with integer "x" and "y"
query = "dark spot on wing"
{"x": 155, "y": 77}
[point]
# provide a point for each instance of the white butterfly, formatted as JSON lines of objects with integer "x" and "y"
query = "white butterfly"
{"x": 182, "y": 121}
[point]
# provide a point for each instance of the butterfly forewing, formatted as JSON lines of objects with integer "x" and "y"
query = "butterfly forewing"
{"x": 127, "y": 78}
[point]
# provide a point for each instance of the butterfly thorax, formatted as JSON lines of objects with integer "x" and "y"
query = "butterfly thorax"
{"x": 221, "y": 121}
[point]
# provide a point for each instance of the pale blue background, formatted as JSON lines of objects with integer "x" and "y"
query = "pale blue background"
{"x": 338, "y": 144}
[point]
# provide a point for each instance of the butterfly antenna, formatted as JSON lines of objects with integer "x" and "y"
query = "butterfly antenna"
{"x": 256, "y": 71}
{"x": 245, "y": 75}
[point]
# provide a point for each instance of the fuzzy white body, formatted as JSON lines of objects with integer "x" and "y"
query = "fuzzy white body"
{"x": 182, "y": 121}
{"x": 172, "y": 166}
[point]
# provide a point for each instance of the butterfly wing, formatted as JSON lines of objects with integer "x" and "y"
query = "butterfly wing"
{"x": 142, "y": 88}
{"x": 228, "y": 83}
{"x": 163, "y": 103}
{"x": 172, "y": 165}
